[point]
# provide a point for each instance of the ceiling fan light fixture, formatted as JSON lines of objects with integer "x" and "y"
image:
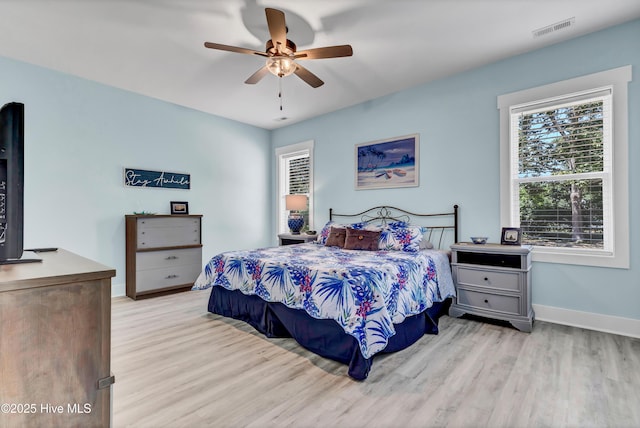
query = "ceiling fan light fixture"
{"x": 281, "y": 66}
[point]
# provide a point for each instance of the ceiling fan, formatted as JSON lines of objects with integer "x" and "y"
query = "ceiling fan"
{"x": 281, "y": 54}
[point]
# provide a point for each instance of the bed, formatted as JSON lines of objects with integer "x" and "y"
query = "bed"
{"x": 374, "y": 282}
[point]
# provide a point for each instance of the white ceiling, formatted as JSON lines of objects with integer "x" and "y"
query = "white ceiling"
{"x": 155, "y": 47}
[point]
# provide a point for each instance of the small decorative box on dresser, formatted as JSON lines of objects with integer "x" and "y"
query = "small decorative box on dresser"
{"x": 164, "y": 253}
{"x": 493, "y": 281}
{"x": 290, "y": 238}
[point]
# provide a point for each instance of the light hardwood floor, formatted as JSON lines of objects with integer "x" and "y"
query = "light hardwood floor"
{"x": 176, "y": 365}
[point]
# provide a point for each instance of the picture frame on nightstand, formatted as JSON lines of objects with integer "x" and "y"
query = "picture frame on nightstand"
{"x": 510, "y": 236}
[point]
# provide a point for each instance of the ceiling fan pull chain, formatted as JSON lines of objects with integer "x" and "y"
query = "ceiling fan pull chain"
{"x": 280, "y": 91}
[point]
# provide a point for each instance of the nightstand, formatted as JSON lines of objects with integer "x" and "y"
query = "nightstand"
{"x": 290, "y": 239}
{"x": 493, "y": 281}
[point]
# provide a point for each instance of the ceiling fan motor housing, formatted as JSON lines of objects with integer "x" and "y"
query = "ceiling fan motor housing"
{"x": 289, "y": 49}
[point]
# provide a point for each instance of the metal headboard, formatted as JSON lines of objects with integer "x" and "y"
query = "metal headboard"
{"x": 386, "y": 213}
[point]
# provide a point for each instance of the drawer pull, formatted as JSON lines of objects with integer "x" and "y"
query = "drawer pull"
{"x": 486, "y": 279}
{"x": 171, "y": 276}
{"x": 172, "y": 258}
{"x": 486, "y": 300}
{"x": 106, "y": 382}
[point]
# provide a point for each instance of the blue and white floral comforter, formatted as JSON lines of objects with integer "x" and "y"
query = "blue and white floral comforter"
{"x": 365, "y": 292}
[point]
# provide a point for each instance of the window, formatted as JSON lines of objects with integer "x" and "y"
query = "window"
{"x": 561, "y": 172}
{"x": 295, "y": 176}
{"x": 564, "y": 175}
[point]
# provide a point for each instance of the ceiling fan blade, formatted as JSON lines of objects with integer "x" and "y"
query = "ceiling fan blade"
{"x": 257, "y": 76}
{"x": 326, "y": 52}
{"x": 233, "y": 49}
{"x": 308, "y": 76}
{"x": 277, "y": 28}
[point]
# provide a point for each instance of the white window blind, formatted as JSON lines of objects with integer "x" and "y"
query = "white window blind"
{"x": 299, "y": 178}
{"x": 561, "y": 170}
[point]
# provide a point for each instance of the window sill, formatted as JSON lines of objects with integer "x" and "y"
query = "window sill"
{"x": 593, "y": 258}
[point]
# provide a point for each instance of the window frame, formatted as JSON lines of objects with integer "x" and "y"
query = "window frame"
{"x": 283, "y": 154}
{"x": 617, "y": 80}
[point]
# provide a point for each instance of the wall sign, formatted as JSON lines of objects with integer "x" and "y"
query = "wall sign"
{"x": 158, "y": 179}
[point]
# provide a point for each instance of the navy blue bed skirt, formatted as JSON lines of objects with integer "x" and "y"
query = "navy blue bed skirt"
{"x": 321, "y": 336}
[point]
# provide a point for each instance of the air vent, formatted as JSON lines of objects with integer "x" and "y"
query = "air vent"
{"x": 554, "y": 27}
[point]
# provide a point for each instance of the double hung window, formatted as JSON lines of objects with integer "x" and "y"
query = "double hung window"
{"x": 295, "y": 177}
{"x": 564, "y": 178}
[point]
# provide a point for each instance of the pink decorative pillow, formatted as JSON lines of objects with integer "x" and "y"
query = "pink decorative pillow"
{"x": 337, "y": 236}
{"x": 360, "y": 239}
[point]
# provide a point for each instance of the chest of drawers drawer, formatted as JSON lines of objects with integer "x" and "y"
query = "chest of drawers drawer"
{"x": 168, "y": 258}
{"x": 161, "y": 232}
{"x": 159, "y": 278}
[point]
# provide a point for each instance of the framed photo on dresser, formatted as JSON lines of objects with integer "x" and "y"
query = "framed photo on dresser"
{"x": 179, "y": 208}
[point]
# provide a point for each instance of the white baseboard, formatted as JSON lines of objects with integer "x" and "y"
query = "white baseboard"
{"x": 118, "y": 290}
{"x": 591, "y": 321}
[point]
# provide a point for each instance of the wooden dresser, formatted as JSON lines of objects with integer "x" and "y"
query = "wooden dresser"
{"x": 163, "y": 253}
{"x": 55, "y": 342}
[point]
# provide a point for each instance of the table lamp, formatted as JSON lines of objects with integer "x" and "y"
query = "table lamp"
{"x": 295, "y": 203}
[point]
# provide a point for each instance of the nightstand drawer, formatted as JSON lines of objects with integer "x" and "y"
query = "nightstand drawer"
{"x": 488, "y": 301}
{"x": 492, "y": 279}
{"x": 490, "y": 259}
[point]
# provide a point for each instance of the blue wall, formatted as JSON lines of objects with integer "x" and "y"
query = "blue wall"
{"x": 79, "y": 136}
{"x": 458, "y": 123}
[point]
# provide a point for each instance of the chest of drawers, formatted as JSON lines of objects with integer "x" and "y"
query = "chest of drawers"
{"x": 493, "y": 281}
{"x": 163, "y": 254}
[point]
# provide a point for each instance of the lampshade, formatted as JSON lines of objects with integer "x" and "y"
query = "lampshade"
{"x": 296, "y": 202}
{"x": 281, "y": 65}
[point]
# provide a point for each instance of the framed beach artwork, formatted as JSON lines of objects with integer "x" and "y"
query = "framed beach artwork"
{"x": 388, "y": 163}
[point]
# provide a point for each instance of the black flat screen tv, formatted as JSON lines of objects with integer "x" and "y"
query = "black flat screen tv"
{"x": 11, "y": 181}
